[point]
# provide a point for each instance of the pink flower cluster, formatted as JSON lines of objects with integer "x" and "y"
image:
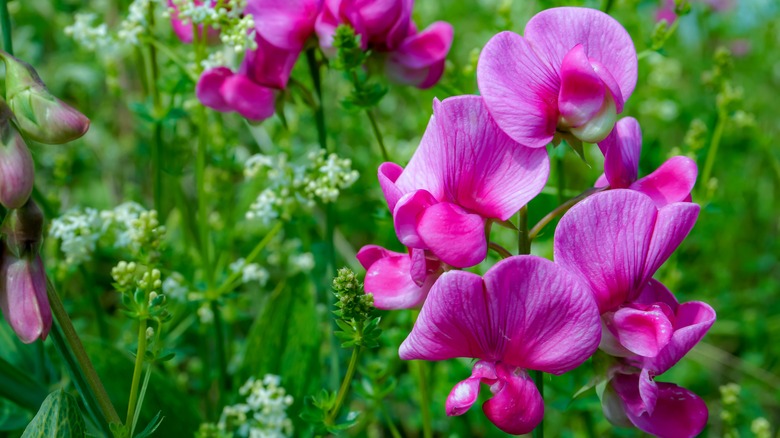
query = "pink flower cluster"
{"x": 282, "y": 29}
{"x": 481, "y": 159}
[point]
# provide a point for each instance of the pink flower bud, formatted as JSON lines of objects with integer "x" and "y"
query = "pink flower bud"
{"x": 39, "y": 114}
{"x": 16, "y": 165}
{"x": 23, "y": 297}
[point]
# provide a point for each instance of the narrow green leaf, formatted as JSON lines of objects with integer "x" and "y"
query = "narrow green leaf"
{"x": 59, "y": 416}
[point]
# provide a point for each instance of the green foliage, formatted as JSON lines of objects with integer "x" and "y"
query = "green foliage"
{"x": 59, "y": 416}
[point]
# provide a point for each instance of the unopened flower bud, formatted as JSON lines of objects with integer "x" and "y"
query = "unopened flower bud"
{"x": 40, "y": 115}
{"x": 16, "y": 165}
{"x": 23, "y": 297}
{"x": 24, "y": 229}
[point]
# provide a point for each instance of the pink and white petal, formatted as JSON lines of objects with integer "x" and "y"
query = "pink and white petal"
{"x": 520, "y": 90}
{"x": 252, "y": 101}
{"x": 269, "y": 65}
{"x": 672, "y": 225}
{"x": 604, "y": 240}
{"x": 609, "y": 342}
{"x": 679, "y": 413}
{"x": 453, "y": 322}
{"x": 286, "y": 24}
{"x": 609, "y": 81}
{"x": 643, "y": 330}
{"x": 486, "y": 171}
{"x": 582, "y": 91}
{"x": 621, "y": 157}
{"x": 601, "y": 182}
{"x": 388, "y": 174}
{"x": 553, "y": 32}
{"x": 672, "y": 182}
{"x": 465, "y": 393}
{"x": 389, "y": 281}
{"x": 406, "y": 217}
{"x": 693, "y": 320}
{"x": 544, "y": 318}
{"x": 516, "y": 406}
{"x": 648, "y": 391}
{"x": 208, "y": 88}
{"x": 454, "y": 235}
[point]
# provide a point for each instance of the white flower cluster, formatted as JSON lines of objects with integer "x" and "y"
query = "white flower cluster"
{"x": 174, "y": 287}
{"x": 250, "y": 272}
{"x": 127, "y": 226}
{"x": 94, "y": 38}
{"x": 79, "y": 232}
{"x": 320, "y": 178}
{"x": 135, "y": 22}
{"x": 100, "y": 40}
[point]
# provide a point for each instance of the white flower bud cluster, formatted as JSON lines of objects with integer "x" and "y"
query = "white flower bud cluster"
{"x": 174, "y": 286}
{"x": 241, "y": 35}
{"x": 124, "y": 274}
{"x": 78, "y": 233}
{"x": 290, "y": 186}
{"x": 135, "y": 22}
{"x": 91, "y": 38}
{"x": 133, "y": 227}
{"x": 151, "y": 282}
{"x": 250, "y": 272}
{"x": 263, "y": 415}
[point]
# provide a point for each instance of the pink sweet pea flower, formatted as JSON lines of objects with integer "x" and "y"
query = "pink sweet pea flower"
{"x": 382, "y": 24}
{"x": 526, "y": 313}
{"x": 570, "y": 73}
{"x": 419, "y": 61}
{"x": 183, "y": 27}
{"x": 616, "y": 240}
{"x": 398, "y": 281}
{"x": 672, "y": 182}
{"x": 23, "y": 297}
{"x": 222, "y": 90}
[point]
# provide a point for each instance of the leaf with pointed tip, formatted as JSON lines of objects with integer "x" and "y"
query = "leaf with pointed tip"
{"x": 58, "y": 416}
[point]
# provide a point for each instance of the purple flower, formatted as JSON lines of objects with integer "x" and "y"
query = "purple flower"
{"x": 616, "y": 240}
{"x": 465, "y": 172}
{"x": 526, "y": 313}
{"x": 672, "y": 182}
{"x": 571, "y": 72}
{"x": 23, "y": 297}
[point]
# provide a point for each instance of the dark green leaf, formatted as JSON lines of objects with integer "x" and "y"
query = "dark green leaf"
{"x": 58, "y": 416}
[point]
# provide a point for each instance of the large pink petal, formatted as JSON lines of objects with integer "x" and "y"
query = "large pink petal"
{"x": 672, "y": 182}
{"x": 678, "y": 413}
{"x": 543, "y": 317}
{"x": 694, "y": 319}
{"x": 326, "y": 24}
{"x": 389, "y": 280}
{"x": 672, "y": 225}
{"x": 370, "y": 254}
{"x": 252, "y": 101}
{"x": 427, "y": 166}
{"x": 465, "y": 393}
{"x": 406, "y": 217}
{"x": 454, "y": 235}
{"x": 419, "y": 61}
{"x": 208, "y": 89}
{"x": 284, "y": 23}
{"x": 516, "y": 406}
{"x": 642, "y": 329}
{"x": 520, "y": 90}
{"x": 582, "y": 91}
{"x": 554, "y": 32}
{"x": 604, "y": 239}
{"x": 381, "y": 23}
{"x": 453, "y": 322}
{"x": 269, "y": 65}
{"x": 621, "y": 153}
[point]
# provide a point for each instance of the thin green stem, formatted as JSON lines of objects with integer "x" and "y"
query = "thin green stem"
{"x": 561, "y": 177}
{"x": 152, "y": 72}
{"x": 345, "y": 385}
{"x": 219, "y": 333}
{"x": 5, "y": 23}
{"x": 523, "y": 238}
{"x": 712, "y": 152}
{"x": 389, "y": 421}
{"x": 503, "y": 252}
{"x": 539, "y": 381}
{"x": 319, "y": 112}
{"x": 139, "y": 365}
{"x": 235, "y": 276}
{"x": 84, "y": 364}
{"x": 170, "y": 54}
{"x": 377, "y": 134}
{"x": 425, "y": 397}
{"x": 561, "y": 209}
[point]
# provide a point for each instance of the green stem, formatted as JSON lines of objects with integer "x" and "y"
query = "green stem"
{"x": 425, "y": 397}
{"x": 503, "y": 252}
{"x": 139, "y": 365}
{"x": 219, "y": 333}
{"x": 377, "y": 134}
{"x": 393, "y": 429}
{"x": 345, "y": 385}
{"x": 523, "y": 238}
{"x": 233, "y": 278}
{"x": 170, "y": 54}
{"x": 539, "y": 381}
{"x": 561, "y": 176}
{"x": 561, "y": 209}
{"x": 84, "y": 364}
{"x": 5, "y": 23}
{"x": 152, "y": 72}
{"x": 712, "y": 152}
{"x": 319, "y": 112}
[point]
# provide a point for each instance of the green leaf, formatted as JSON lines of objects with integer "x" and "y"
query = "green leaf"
{"x": 12, "y": 417}
{"x": 152, "y": 426}
{"x": 59, "y": 416}
{"x": 18, "y": 387}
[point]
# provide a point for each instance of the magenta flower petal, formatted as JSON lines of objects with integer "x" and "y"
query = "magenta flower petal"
{"x": 23, "y": 297}
{"x": 252, "y": 101}
{"x": 286, "y": 24}
{"x": 643, "y": 330}
{"x": 406, "y": 217}
{"x": 208, "y": 88}
{"x": 582, "y": 91}
{"x": 453, "y": 322}
{"x": 454, "y": 235}
{"x": 698, "y": 317}
{"x": 380, "y": 23}
{"x": 554, "y": 32}
{"x": 369, "y": 254}
{"x": 621, "y": 153}
{"x": 672, "y": 182}
{"x": 560, "y": 327}
{"x": 678, "y": 413}
{"x": 672, "y": 225}
{"x": 326, "y": 24}
{"x": 609, "y": 81}
{"x": 388, "y": 173}
{"x": 465, "y": 393}
{"x": 516, "y": 406}
{"x": 605, "y": 239}
{"x": 419, "y": 61}
{"x": 269, "y": 65}
{"x": 389, "y": 280}
{"x": 528, "y": 114}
